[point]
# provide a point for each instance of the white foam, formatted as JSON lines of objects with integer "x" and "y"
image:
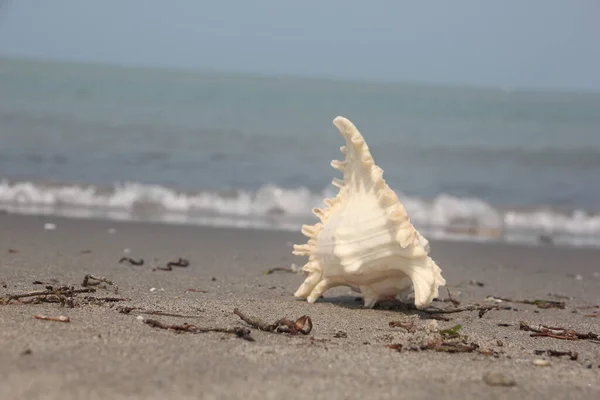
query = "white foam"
{"x": 273, "y": 207}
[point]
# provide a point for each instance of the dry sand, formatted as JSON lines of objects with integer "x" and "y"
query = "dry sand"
{"x": 104, "y": 354}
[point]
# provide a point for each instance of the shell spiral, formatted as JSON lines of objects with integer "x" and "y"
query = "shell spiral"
{"x": 365, "y": 238}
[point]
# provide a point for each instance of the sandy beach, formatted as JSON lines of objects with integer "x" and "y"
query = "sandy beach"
{"x": 106, "y": 354}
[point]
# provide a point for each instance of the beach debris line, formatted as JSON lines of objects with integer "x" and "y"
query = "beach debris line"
{"x": 92, "y": 280}
{"x": 242, "y": 333}
{"x": 180, "y": 262}
{"x": 60, "y": 318}
{"x": 302, "y": 325}
{"x": 131, "y": 261}
{"x": 557, "y": 333}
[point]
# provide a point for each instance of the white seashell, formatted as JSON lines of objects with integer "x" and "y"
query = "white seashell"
{"x": 365, "y": 239}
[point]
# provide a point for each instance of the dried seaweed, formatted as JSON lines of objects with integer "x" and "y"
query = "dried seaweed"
{"x": 242, "y": 333}
{"x": 131, "y": 261}
{"x": 181, "y": 262}
{"x": 302, "y": 325}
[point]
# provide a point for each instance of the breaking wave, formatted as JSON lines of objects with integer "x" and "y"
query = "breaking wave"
{"x": 274, "y": 207}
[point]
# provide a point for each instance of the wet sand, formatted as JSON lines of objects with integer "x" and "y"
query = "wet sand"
{"x": 104, "y": 354}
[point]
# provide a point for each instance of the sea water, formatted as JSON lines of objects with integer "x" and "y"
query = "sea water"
{"x": 254, "y": 151}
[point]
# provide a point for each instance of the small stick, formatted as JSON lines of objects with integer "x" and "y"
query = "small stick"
{"x": 60, "y": 318}
{"x": 127, "y": 310}
{"x": 280, "y": 269}
{"x": 557, "y": 333}
{"x": 61, "y": 291}
{"x": 453, "y": 301}
{"x": 537, "y": 303}
{"x": 243, "y": 333}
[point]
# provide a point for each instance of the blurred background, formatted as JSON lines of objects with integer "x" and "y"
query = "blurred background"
{"x": 485, "y": 116}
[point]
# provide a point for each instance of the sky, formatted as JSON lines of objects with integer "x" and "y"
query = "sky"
{"x": 508, "y": 43}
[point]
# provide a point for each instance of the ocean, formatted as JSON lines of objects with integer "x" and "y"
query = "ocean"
{"x": 238, "y": 150}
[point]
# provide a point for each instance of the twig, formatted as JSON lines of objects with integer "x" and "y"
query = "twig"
{"x": 131, "y": 261}
{"x": 302, "y": 325}
{"x": 243, "y": 333}
{"x": 453, "y": 301}
{"x": 127, "y": 310}
{"x": 60, "y": 318}
{"x": 280, "y": 269}
{"x": 537, "y": 303}
{"x": 51, "y": 294}
{"x": 557, "y": 333}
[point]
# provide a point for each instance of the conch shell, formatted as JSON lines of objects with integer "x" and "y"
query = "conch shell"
{"x": 365, "y": 239}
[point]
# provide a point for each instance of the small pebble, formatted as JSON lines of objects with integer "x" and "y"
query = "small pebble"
{"x": 578, "y": 277}
{"x": 49, "y": 226}
{"x": 432, "y": 325}
{"x": 596, "y": 274}
{"x": 126, "y": 251}
{"x": 541, "y": 363}
{"x": 140, "y": 318}
{"x": 152, "y": 289}
{"x": 496, "y": 378}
